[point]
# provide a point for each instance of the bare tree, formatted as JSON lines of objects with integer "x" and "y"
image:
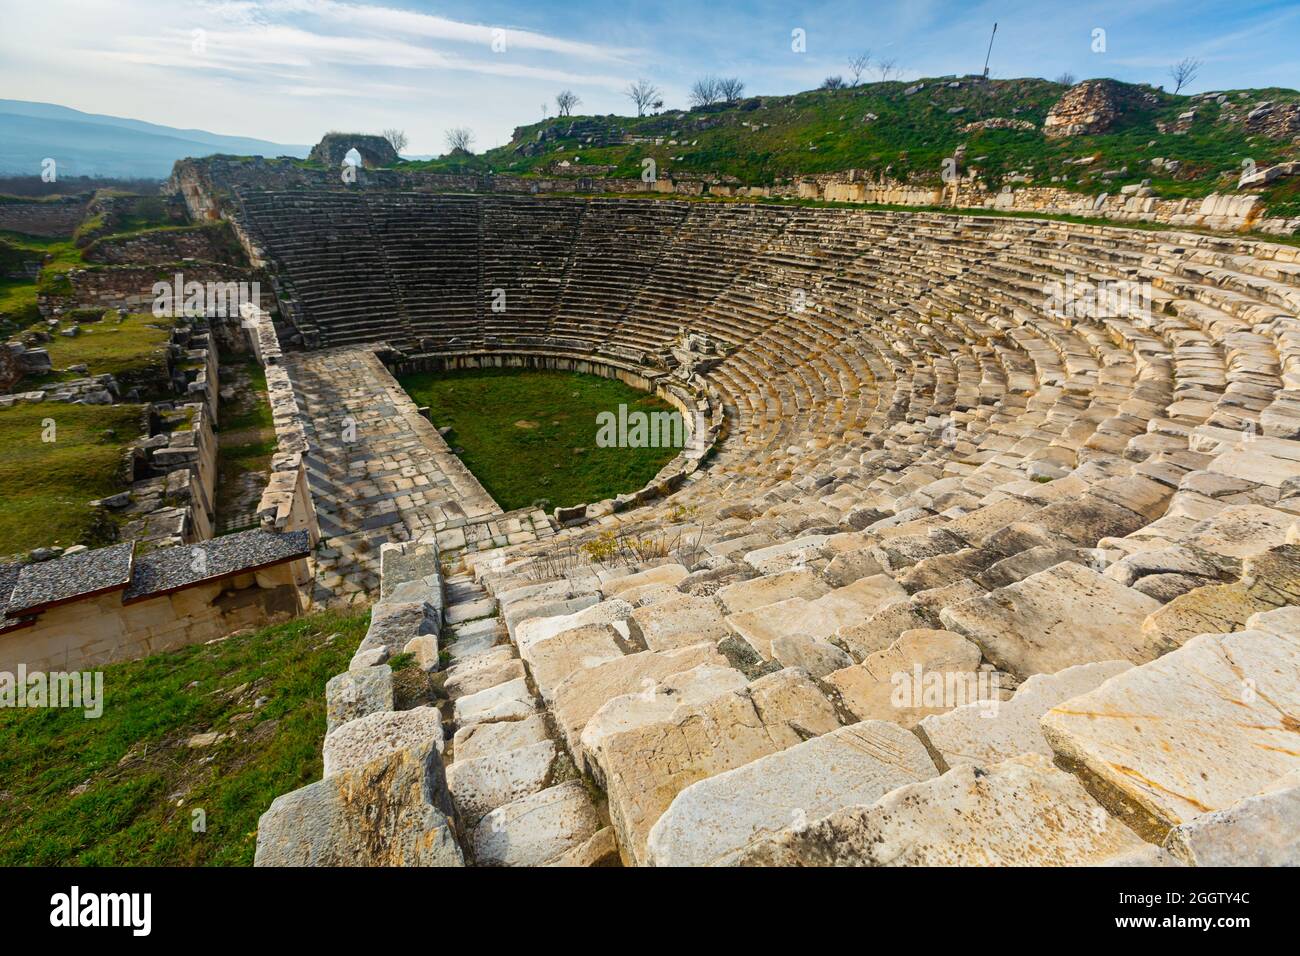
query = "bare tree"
{"x": 705, "y": 91}
{"x": 460, "y": 138}
{"x": 643, "y": 93}
{"x": 1184, "y": 71}
{"x": 396, "y": 139}
{"x": 731, "y": 89}
{"x": 859, "y": 65}
{"x": 1066, "y": 79}
{"x": 888, "y": 69}
{"x": 565, "y": 101}
{"x": 833, "y": 83}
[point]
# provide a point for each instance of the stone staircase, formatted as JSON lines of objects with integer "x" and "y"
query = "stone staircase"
{"x": 518, "y": 798}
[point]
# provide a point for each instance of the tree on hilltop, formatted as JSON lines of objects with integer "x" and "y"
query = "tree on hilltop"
{"x": 565, "y": 101}
{"x": 1184, "y": 71}
{"x": 731, "y": 89}
{"x": 460, "y": 139}
{"x": 705, "y": 91}
{"x": 859, "y": 65}
{"x": 396, "y": 139}
{"x": 644, "y": 94}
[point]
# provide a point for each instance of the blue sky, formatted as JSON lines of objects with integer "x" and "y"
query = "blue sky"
{"x": 287, "y": 70}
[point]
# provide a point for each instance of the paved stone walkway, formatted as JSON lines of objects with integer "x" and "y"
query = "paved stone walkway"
{"x": 378, "y": 470}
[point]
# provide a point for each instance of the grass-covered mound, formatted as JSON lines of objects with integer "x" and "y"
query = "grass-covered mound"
{"x": 133, "y": 349}
{"x": 530, "y": 437}
{"x": 905, "y": 130}
{"x": 18, "y": 295}
{"x": 122, "y": 789}
{"x": 46, "y": 486}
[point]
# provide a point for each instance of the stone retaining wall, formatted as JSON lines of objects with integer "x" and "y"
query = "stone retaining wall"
{"x": 205, "y": 183}
{"x": 383, "y": 800}
{"x": 286, "y": 503}
{"x": 53, "y": 219}
{"x": 210, "y": 243}
{"x": 131, "y": 287}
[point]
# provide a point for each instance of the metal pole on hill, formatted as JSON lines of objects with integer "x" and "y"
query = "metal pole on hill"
{"x": 990, "y": 52}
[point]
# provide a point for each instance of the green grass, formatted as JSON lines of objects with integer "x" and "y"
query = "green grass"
{"x": 531, "y": 436}
{"x": 46, "y": 487}
{"x": 142, "y": 783}
{"x": 18, "y": 296}
{"x": 132, "y": 349}
{"x": 253, "y": 408}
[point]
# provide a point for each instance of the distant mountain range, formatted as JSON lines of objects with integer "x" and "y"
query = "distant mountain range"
{"x": 91, "y": 144}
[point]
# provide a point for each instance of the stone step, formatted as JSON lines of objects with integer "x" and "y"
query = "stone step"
{"x": 1066, "y": 615}
{"x": 1197, "y": 730}
{"x": 1020, "y": 812}
{"x": 712, "y": 822}
{"x": 989, "y": 731}
{"x": 539, "y": 829}
{"x": 646, "y": 765}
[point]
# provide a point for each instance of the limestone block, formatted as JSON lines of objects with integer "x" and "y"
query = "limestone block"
{"x": 1057, "y": 618}
{"x": 665, "y": 575}
{"x": 756, "y": 592}
{"x": 786, "y": 555}
{"x": 677, "y": 622}
{"x": 552, "y": 660}
{"x": 711, "y": 822}
{"x": 984, "y": 733}
{"x": 354, "y": 694}
{"x": 498, "y": 669}
{"x": 531, "y": 630}
{"x": 814, "y": 655}
{"x": 481, "y": 784}
{"x": 882, "y": 628}
{"x": 394, "y": 811}
{"x": 646, "y": 766}
{"x": 480, "y": 740}
{"x": 1241, "y": 531}
{"x": 424, "y": 648}
{"x": 509, "y": 701}
{"x": 1270, "y": 579}
{"x": 537, "y": 829}
{"x": 1020, "y": 812}
{"x": 360, "y": 741}
{"x": 923, "y": 672}
{"x": 656, "y": 701}
{"x": 1192, "y": 732}
{"x": 1263, "y": 830}
{"x": 600, "y": 849}
{"x": 584, "y": 692}
{"x": 392, "y": 625}
{"x": 818, "y": 618}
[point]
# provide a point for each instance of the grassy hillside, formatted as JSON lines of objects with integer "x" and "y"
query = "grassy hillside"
{"x": 121, "y": 790}
{"x": 884, "y": 129}
{"x": 57, "y": 459}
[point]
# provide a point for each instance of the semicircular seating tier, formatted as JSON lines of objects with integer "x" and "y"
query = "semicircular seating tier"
{"x": 963, "y": 443}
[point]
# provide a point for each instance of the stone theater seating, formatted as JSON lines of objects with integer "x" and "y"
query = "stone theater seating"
{"x": 935, "y": 458}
